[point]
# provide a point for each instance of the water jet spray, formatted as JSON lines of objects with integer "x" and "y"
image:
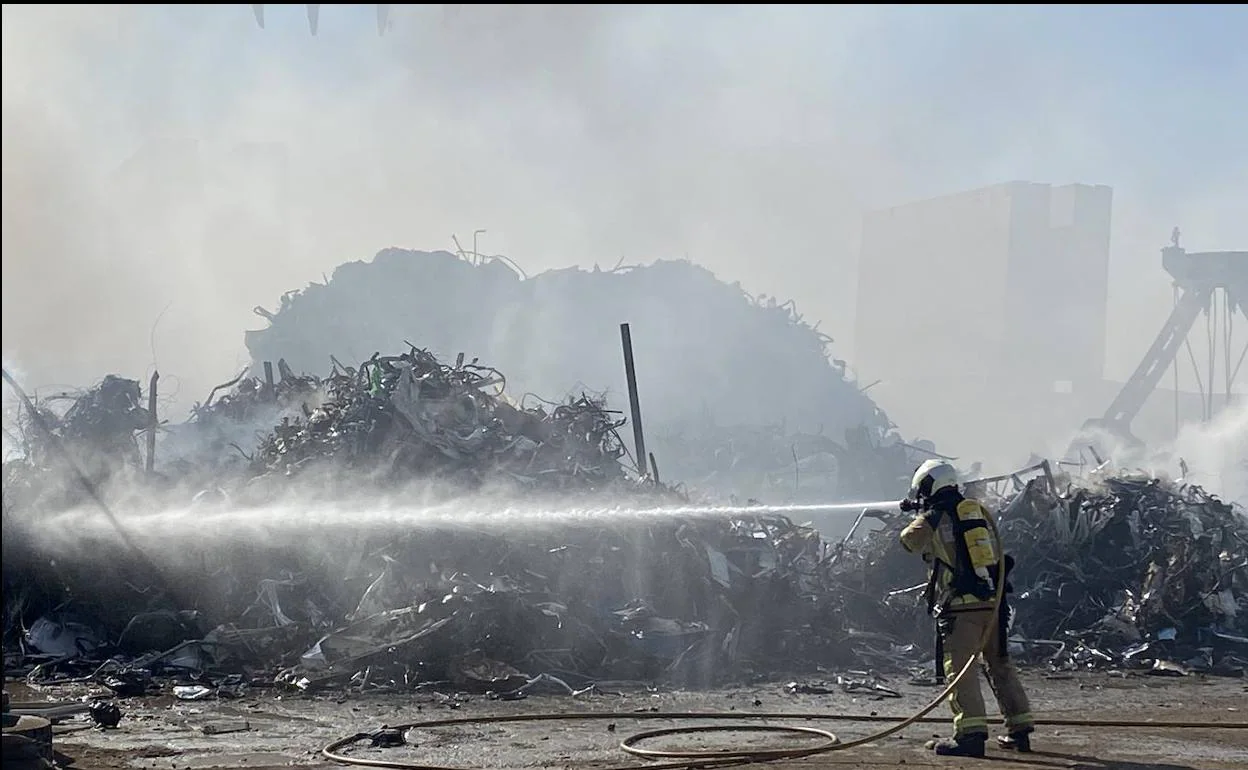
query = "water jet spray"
{"x": 81, "y": 477}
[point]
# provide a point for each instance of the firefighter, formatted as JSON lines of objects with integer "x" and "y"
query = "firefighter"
{"x": 951, "y": 533}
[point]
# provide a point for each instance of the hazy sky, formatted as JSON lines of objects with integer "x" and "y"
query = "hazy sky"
{"x": 749, "y": 139}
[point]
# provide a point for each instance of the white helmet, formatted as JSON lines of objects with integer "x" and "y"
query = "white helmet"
{"x": 931, "y": 477}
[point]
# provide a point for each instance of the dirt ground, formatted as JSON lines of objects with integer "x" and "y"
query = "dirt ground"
{"x": 287, "y": 731}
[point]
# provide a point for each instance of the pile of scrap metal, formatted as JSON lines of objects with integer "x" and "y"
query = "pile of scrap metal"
{"x": 98, "y": 430}
{"x": 563, "y": 607}
{"x": 400, "y": 418}
{"x": 1131, "y": 571}
{"x": 215, "y": 447}
{"x": 705, "y": 390}
{"x": 1125, "y": 571}
{"x": 425, "y": 419}
{"x": 706, "y": 351}
{"x": 247, "y": 399}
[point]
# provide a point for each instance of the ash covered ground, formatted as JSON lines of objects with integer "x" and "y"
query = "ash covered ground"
{"x": 267, "y": 731}
{"x": 405, "y": 529}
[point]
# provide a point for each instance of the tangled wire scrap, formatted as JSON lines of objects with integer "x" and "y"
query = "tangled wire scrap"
{"x": 416, "y": 415}
{"x": 1131, "y": 569}
{"x": 1114, "y": 571}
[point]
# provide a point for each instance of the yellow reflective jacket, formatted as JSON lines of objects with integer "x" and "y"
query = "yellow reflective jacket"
{"x": 952, "y": 576}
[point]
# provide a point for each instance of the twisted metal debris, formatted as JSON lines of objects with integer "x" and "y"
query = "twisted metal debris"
{"x": 714, "y": 362}
{"x": 688, "y": 601}
{"x": 1131, "y": 569}
{"x": 1124, "y": 571}
{"x": 427, "y": 419}
{"x": 399, "y": 418}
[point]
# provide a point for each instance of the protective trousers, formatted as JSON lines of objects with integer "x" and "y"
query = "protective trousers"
{"x": 962, "y": 632}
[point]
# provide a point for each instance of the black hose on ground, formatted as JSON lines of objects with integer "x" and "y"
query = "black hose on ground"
{"x": 730, "y": 757}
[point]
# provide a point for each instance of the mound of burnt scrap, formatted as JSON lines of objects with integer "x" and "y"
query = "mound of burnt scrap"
{"x": 675, "y": 599}
{"x": 97, "y": 428}
{"x": 555, "y": 607}
{"x": 425, "y": 419}
{"x": 1131, "y": 571}
{"x": 1128, "y": 571}
{"x": 394, "y": 419}
{"x": 712, "y": 360}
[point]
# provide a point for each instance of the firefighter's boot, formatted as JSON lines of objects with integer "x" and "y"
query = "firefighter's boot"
{"x": 1020, "y": 742}
{"x": 970, "y": 745}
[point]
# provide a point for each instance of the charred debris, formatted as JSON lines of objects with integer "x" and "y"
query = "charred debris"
{"x": 391, "y": 418}
{"x": 658, "y": 600}
{"x": 743, "y": 395}
{"x": 1114, "y": 571}
{"x": 1118, "y": 571}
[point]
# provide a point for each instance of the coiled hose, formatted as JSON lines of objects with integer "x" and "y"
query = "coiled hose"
{"x": 678, "y": 760}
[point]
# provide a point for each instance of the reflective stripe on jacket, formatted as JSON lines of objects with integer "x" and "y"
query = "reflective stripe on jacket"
{"x": 940, "y": 551}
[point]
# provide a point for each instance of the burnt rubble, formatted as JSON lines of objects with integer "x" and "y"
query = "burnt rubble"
{"x": 1112, "y": 571}
{"x": 426, "y": 419}
{"x": 1129, "y": 572}
{"x": 99, "y": 429}
{"x": 564, "y": 605}
{"x": 1134, "y": 574}
{"x": 712, "y": 360}
{"x": 392, "y": 418}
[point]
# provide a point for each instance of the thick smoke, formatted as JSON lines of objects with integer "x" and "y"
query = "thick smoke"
{"x": 1216, "y": 453}
{"x": 1212, "y": 455}
{"x": 168, "y": 168}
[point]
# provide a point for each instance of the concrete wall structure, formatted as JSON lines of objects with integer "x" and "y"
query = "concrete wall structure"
{"x": 1017, "y": 272}
{"x": 1057, "y": 282}
{"x": 988, "y": 302}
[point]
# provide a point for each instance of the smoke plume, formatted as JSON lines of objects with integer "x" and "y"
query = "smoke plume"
{"x": 168, "y": 168}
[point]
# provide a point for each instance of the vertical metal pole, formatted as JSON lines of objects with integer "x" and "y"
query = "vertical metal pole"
{"x": 476, "y": 255}
{"x": 270, "y": 391}
{"x": 153, "y": 424}
{"x": 634, "y": 402}
{"x": 1211, "y": 334}
{"x": 1226, "y": 344}
{"x": 1175, "y": 364}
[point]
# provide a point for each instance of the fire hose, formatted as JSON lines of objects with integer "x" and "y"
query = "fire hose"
{"x": 678, "y": 760}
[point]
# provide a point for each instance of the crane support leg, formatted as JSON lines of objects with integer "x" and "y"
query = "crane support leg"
{"x": 1127, "y": 404}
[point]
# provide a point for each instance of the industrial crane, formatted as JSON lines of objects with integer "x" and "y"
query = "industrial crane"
{"x": 314, "y": 15}
{"x": 1199, "y": 279}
